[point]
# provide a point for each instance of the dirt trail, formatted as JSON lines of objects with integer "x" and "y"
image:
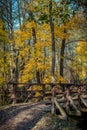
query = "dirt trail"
{"x": 23, "y": 117}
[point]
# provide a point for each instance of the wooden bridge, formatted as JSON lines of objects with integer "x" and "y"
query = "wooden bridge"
{"x": 66, "y": 98}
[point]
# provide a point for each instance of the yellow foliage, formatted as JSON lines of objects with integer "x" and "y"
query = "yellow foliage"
{"x": 20, "y": 36}
{"x": 78, "y": 50}
{"x": 1, "y": 80}
{"x": 37, "y": 87}
{"x": 61, "y": 79}
{"x": 47, "y": 79}
{"x": 3, "y": 31}
{"x": 82, "y": 48}
{"x": 59, "y": 31}
{"x": 31, "y": 25}
{"x": 4, "y": 53}
{"x": 80, "y": 63}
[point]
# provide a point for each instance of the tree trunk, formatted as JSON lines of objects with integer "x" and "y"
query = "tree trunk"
{"x": 34, "y": 41}
{"x": 53, "y": 38}
{"x": 62, "y": 56}
{"x": 16, "y": 66}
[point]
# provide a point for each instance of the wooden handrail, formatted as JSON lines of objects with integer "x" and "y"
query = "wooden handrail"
{"x": 49, "y": 83}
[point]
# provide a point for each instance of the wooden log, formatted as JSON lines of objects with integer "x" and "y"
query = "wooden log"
{"x": 83, "y": 101}
{"x": 59, "y": 96}
{"x": 43, "y": 90}
{"x": 51, "y": 84}
{"x": 73, "y": 113}
{"x": 67, "y": 99}
{"x": 14, "y": 98}
{"x": 84, "y": 96}
{"x": 74, "y": 106}
{"x": 53, "y": 105}
{"x": 72, "y": 103}
{"x": 83, "y": 110}
{"x": 29, "y": 91}
{"x": 47, "y": 102}
{"x": 75, "y": 98}
{"x": 61, "y": 110}
{"x": 48, "y": 94}
{"x": 63, "y": 100}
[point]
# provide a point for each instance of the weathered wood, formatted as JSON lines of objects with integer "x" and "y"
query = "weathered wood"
{"x": 59, "y": 95}
{"x": 61, "y": 110}
{"x": 61, "y": 100}
{"x": 33, "y": 97}
{"x": 83, "y": 110}
{"x": 75, "y": 97}
{"x": 52, "y": 100}
{"x": 67, "y": 98}
{"x": 72, "y": 103}
{"x": 43, "y": 90}
{"x": 79, "y": 93}
{"x": 57, "y": 83}
{"x": 73, "y": 113}
{"x": 83, "y": 101}
{"x": 48, "y": 93}
{"x": 14, "y": 94}
{"x": 84, "y": 96}
{"x": 74, "y": 106}
{"x": 48, "y": 102}
{"x": 29, "y": 91}
{"x": 63, "y": 95}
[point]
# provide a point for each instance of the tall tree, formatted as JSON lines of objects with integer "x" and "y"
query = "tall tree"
{"x": 53, "y": 38}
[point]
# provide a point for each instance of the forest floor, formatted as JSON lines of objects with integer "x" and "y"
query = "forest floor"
{"x": 31, "y": 117}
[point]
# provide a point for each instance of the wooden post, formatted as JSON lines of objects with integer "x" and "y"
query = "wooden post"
{"x": 79, "y": 93}
{"x": 43, "y": 91}
{"x": 61, "y": 110}
{"x": 52, "y": 100}
{"x": 83, "y": 101}
{"x": 14, "y": 94}
{"x": 67, "y": 98}
{"x": 74, "y": 106}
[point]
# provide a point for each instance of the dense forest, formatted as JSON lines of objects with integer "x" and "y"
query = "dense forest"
{"x": 42, "y": 41}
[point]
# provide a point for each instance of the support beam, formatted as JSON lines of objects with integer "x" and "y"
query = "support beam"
{"x": 52, "y": 99}
{"x": 61, "y": 110}
{"x": 74, "y": 106}
{"x": 83, "y": 101}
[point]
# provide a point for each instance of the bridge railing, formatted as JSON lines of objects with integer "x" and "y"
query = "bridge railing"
{"x": 30, "y": 91}
{"x": 65, "y": 90}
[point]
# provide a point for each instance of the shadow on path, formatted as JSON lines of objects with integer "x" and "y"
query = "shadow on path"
{"x": 28, "y": 124}
{"x": 23, "y": 117}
